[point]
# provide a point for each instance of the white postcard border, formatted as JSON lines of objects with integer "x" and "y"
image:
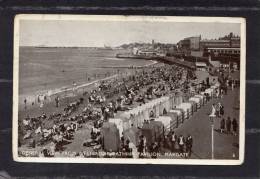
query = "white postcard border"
{"x": 20, "y": 17}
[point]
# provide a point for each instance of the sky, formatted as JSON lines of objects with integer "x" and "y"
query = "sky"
{"x": 68, "y": 33}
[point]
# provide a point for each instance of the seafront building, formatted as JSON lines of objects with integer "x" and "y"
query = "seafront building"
{"x": 219, "y": 53}
{"x": 223, "y": 52}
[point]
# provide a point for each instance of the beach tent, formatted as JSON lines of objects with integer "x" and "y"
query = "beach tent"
{"x": 202, "y": 98}
{"x": 128, "y": 120}
{"x": 110, "y": 136}
{"x": 161, "y": 107}
{"x": 216, "y": 85}
{"x": 197, "y": 100}
{"x": 171, "y": 100}
{"x": 134, "y": 119}
{"x": 132, "y": 134}
{"x": 164, "y": 105}
{"x": 154, "y": 110}
{"x": 194, "y": 106}
{"x": 157, "y": 110}
{"x": 209, "y": 91}
{"x": 166, "y": 121}
{"x": 187, "y": 108}
{"x": 126, "y": 124}
{"x": 175, "y": 119}
{"x": 148, "y": 132}
{"x": 146, "y": 114}
{"x": 176, "y": 100}
{"x": 119, "y": 124}
{"x": 139, "y": 119}
{"x": 180, "y": 114}
{"x": 151, "y": 112}
{"x": 158, "y": 128}
{"x": 195, "y": 103}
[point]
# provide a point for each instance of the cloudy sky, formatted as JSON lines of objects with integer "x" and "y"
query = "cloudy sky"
{"x": 99, "y": 33}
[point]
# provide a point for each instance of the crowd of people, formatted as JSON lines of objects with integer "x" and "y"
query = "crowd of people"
{"x": 100, "y": 104}
{"x": 226, "y": 124}
{"x": 96, "y": 106}
{"x": 172, "y": 142}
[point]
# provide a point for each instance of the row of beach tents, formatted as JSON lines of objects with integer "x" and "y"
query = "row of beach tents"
{"x": 167, "y": 113}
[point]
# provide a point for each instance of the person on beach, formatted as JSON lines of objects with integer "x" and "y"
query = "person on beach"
{"x": 228, "y": 125}
{"x": 222, "y": 125}
{"x": 57, "y": 101}
{"x": 25, "y": 101}
{"x": 161, "y": 78}
{"x": 234, "y": 125}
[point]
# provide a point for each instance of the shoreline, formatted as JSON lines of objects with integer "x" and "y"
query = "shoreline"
{"x": 49, "y": 93}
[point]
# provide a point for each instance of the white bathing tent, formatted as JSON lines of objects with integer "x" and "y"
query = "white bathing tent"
{"x": 209, "y": 91}
{"x": 216, "y": 85}
{"x": 196, "y": 100}
{"x": 137, "y": 115}
{"x": 175, "y": 100}
{"x": 175, "y": 118}
{"x": 164, "y": 105}
{"x": 166, "y": 121}
{"x": 187, "y": 108}
{"x": 180, "y": 114}
{"x": 202, "y": 98}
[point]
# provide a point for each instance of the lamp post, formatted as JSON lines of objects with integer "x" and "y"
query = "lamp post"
{"x": 212, "y": 136}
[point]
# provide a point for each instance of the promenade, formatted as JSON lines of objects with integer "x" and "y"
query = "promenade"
{"x": 199, "y": 127}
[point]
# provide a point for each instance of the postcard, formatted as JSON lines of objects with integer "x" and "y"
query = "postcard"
{"x": 129, "y": 89}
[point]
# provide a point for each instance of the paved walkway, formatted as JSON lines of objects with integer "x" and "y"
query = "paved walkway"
{"x": 199, "y": 126}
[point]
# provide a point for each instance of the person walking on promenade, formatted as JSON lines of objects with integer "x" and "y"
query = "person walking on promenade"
{"x": 228, "y": 125}
{"x": 173, "y": 141}
{"x": 225, "y": 89}
{"x": 222, "y": 125}
{"x": 189, "y": 142}
{"x": 181, "y": 143}
{"x": 218, "y": 109}
{"x": 221, "y": 111}
{"x": 235, "y": 125}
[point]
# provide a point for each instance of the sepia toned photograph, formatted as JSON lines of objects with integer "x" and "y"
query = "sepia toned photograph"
{"x": 129, "y": 89}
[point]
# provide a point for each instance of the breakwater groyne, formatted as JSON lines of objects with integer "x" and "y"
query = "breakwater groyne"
{"x": 164, "y": 59}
